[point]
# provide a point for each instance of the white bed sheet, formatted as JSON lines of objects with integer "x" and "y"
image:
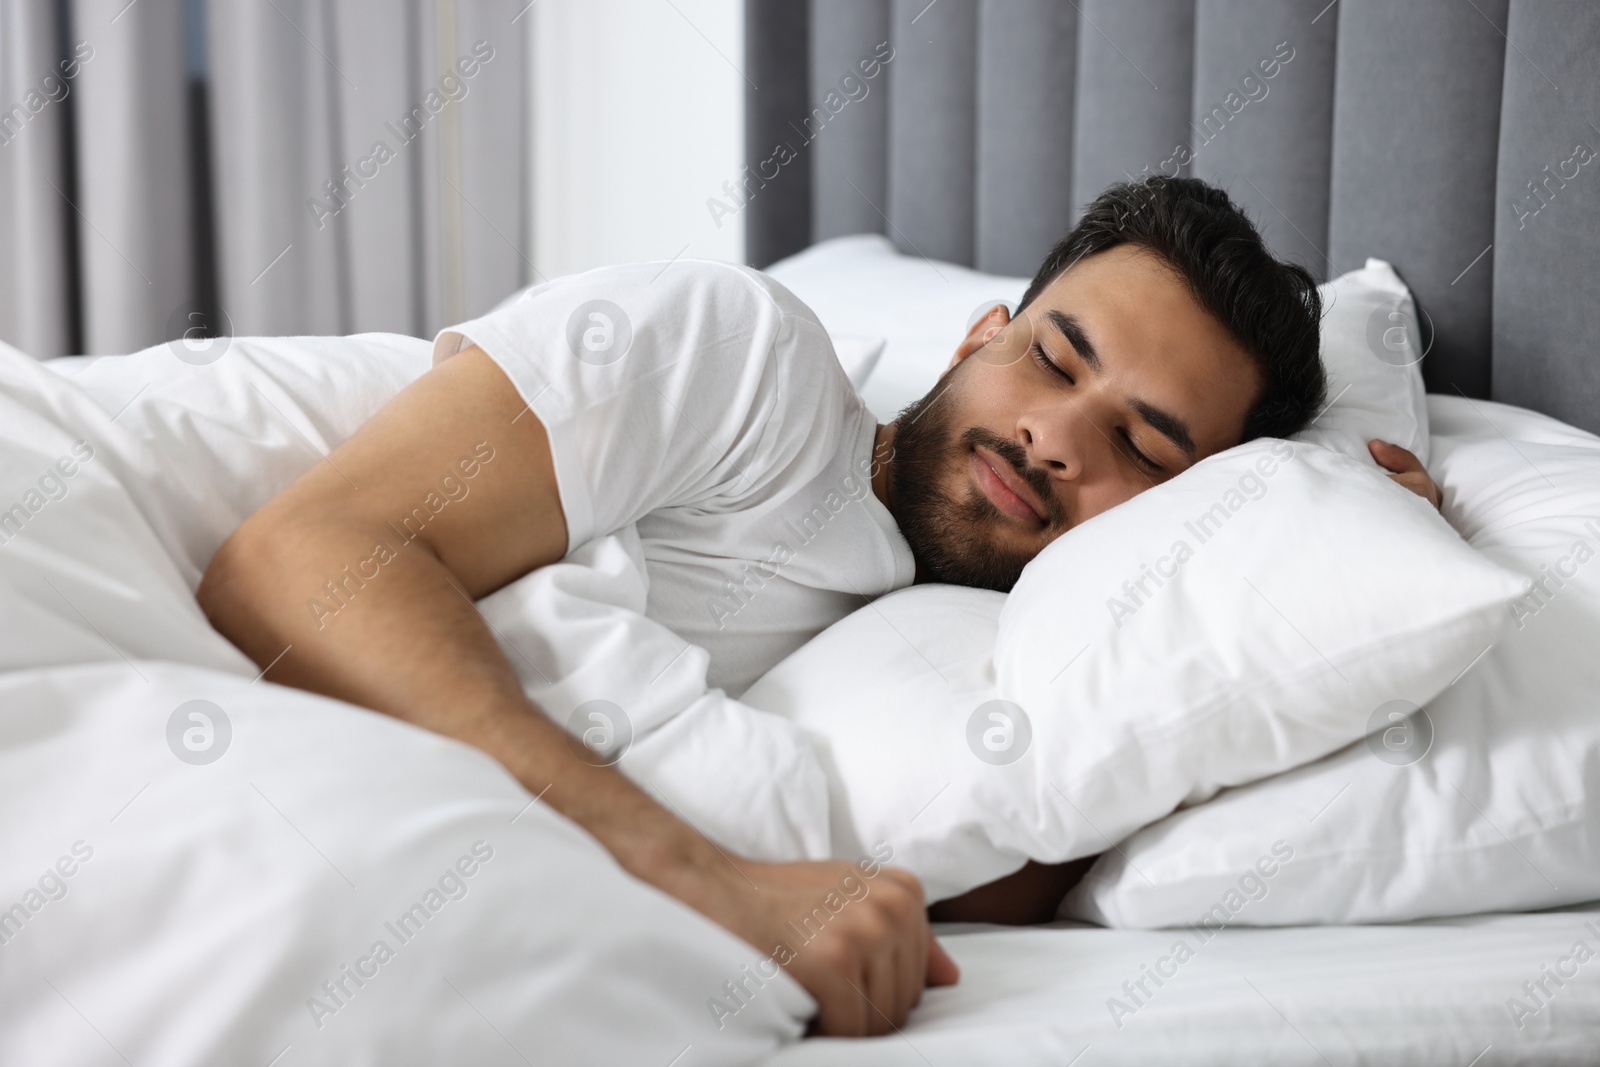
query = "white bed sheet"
{"x": 1427, "y": 993}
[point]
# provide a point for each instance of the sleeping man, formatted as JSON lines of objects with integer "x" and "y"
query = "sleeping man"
{"x": 703, "y": 404}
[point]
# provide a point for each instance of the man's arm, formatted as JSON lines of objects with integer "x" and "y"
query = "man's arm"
{"x": 1025, "y": 898}
{"x": 408, "y": 641}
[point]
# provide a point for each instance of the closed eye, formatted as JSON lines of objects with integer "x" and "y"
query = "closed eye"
{"x": 1130, "y": 449}
{"x": 1138, "y": 456}
{"x": 1049, "y": 364}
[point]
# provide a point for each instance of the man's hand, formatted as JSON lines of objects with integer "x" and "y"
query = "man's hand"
{"x": 857, "y": 939}
{"x": 358, "y": 582}
{"x": 1405, "y": 469}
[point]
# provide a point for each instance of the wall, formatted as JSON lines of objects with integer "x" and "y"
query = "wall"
{"x": 638, "y": 121}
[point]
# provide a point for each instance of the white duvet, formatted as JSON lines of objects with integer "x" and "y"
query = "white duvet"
{"x": 202, "y": 867}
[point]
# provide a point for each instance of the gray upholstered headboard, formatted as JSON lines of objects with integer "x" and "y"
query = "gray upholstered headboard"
{"x": 1457, "y": 139}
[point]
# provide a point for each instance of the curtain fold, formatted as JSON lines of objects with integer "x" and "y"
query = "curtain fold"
{"x": 272, "y": 132}
{"x": 261, "y": 167}
{"x": 37, "y": 264}
{"x": 136, "y": 236}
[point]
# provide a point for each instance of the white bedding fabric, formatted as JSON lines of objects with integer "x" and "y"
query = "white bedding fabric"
{"x": 213, "y": 901}
{"x": 1489, "y": 799}
{"x": 862, "y": 286}
{"x": 200, "y": 448}
{"x": 1101, "y": 714}
{"x": 1427, "y": 994}
{"x": 198, "y": 908}
{"x": 166, "y": 948}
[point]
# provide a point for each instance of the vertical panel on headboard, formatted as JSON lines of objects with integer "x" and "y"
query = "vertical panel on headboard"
{"x": 1547, "y": 221}
{"x": 1263, "y": 116}
{"x": 931, "y": 127}
{"x": 1027, "y": 63}
{"x": 1135, "y": 72}
{"x": 776, "y": 101}
{"x": 1416, "y": 126}
{"x": 850, "y": 156}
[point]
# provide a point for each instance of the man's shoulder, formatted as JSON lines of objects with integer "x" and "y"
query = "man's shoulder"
{"x": 795, "y": 392}
{"x": 674, "y": 287}
{"x": 707, "y": 332}
{"x": 674, "y": 282}
{"x": 738, "y": 315}
{"x": 666, "y": 282}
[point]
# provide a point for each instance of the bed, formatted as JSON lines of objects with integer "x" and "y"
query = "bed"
{"x": 225, "y": 908}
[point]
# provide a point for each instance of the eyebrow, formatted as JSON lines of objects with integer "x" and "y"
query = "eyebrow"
{"x": 1163, "y": 422}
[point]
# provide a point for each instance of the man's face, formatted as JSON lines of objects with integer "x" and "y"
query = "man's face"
{"x": 1113, "y": 380}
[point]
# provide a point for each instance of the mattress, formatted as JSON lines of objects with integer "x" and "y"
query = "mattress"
{"x": 1450, "y": 993}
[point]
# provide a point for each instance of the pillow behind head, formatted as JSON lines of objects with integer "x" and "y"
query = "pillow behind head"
{"x": 1372, "y": 353}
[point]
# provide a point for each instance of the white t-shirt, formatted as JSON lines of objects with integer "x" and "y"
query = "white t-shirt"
{"x": 703, "y": 402}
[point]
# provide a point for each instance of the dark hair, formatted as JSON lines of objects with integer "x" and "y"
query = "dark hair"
{"x": 1271, "y": 308}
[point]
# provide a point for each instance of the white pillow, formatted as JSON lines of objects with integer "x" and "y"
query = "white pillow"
{"x": 1487, "y": 801}
{"x": 1372, "y": 353}
{"x": 1285, "y": 593}
{"x": 885, "y": 695}
{"x": 862, "y": 285}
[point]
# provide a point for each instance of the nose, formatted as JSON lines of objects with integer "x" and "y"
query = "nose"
{"x": 1060, "y": 440}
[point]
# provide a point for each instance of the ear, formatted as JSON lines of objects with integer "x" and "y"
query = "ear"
{"x": 981, "y": 333}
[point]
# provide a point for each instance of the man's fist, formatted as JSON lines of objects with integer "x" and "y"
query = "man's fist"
{"x": 854, "y": 935}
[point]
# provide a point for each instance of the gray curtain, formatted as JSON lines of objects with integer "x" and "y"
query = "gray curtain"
{"x": 259, "y": 167}
{"x": 37, "y": 264}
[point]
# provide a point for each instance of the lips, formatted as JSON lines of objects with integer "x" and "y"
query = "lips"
{"x": 1004, "y": 489}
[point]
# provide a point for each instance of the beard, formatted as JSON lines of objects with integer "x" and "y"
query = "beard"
{"x": 953, "y": 534}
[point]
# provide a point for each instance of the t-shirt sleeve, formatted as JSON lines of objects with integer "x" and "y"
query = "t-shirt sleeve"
{"x": 657, "y": 387}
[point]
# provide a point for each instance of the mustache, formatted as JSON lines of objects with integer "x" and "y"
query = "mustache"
{"x": 1014, "y": 455}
